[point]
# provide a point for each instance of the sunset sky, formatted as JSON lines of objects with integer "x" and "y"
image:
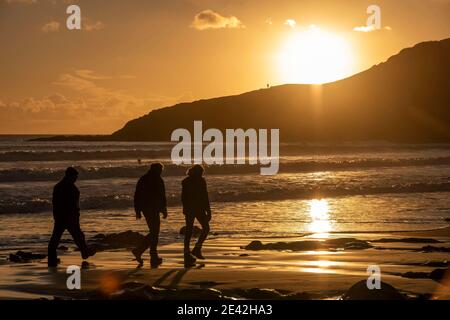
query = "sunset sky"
{"x": 133, "y": 56}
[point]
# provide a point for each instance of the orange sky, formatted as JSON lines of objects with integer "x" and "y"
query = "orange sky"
{"x": 132, "y": 56}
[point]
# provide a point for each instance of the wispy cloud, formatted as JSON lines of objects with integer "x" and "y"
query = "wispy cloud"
{"x": 209, "y": 19}
{"x": 93, "y": 26}
{"x": 21, "y": 1}
{"x": 370, "y": 28}
{"x": 52, "y": 26}
{"x": 291, "y": 23}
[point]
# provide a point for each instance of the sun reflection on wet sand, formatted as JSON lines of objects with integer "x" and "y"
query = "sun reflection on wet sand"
{"x": 320, "y": 220}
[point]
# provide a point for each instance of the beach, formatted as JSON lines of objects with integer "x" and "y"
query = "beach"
{"x": 331, "y": 206}
{"x": 230, "y": 271}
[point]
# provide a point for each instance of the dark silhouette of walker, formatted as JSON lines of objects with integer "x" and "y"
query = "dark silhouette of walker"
{"x": 66, "y": 215}
{"x": 150, "y": 199}
{"x": 194, "y": 196}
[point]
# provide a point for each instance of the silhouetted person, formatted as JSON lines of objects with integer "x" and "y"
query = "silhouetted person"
{"x": 194, "y": 196}
{"x": 66, "y": 214}
{"x": 150, "y": 199}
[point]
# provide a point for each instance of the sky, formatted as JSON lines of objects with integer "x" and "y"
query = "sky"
{"x": 130, "y": 57}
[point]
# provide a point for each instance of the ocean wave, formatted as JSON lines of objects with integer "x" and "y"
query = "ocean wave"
{"x": 80, "y": 155}
{"x": 134, "y": 171}
{"x": 124, "y": 201}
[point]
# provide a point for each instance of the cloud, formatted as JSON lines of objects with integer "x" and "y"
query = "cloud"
{"x": 209, "y": 19}
{"x": 95, "y": 26}
{"x": 92, "y": 75}
{"x": 52, "y": 26}
{"x": 291, "y": 23}
{"x": 21, "y": 1}
{"x": 79, "y": 105}
{"x": 370, "y": 28}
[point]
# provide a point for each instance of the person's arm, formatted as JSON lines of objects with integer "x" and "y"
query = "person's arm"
{"x": 77, "y": 200}
{"x": 183, "y": 196}
{"x": 164, "y": 199}
{"x": 206, "y": 198}
{"x": 137, "y": 200}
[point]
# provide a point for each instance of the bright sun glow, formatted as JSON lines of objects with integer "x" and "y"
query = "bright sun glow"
{"x": 320, "y": 219}
{"x": 314, "y": 56}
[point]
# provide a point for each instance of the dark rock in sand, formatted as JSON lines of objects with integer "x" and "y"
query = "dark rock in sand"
{"x": 415, "y": 275}
{"x": 407, "y": 240}
{"x": 439, "y": 274}
{"x": 127, "y": 239}
{"x": 140, "y": 291}
{"x": 63, "y": 248}
{"x": 340, "y": 243}
{"x": 359, "y": 291}
{"x": 195, "y": 231}
{"x": 254, "y": 245}
{"x": 99, "y": 236}
{"x": 266, "y": 294}
{"x": 438, "y": 264}
{"x": 22, "y": 256}
{"x": 434, "y": 249}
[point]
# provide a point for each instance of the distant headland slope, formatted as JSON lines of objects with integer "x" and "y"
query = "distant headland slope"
{"x": 405, "y": 99}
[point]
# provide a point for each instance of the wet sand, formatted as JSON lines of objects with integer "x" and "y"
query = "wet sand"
{"x": 321, "y": 273}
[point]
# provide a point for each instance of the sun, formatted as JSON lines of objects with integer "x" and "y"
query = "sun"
{"x": 314, "y": 56}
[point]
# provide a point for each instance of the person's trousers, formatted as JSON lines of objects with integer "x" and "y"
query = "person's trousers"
{"x": 151, "y": 239}
{"x": 73, "y": 226}
{"x": 202, "y": 218}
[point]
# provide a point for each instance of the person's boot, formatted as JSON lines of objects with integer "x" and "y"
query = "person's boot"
{"x": 137, "y": 256}
{"x": 88, "y": 253}
{"x": 197, "y": 252}
{"x": 189, "y": 260}
{"x": 155, "y": 260}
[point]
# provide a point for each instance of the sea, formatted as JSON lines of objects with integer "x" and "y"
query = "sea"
{"x": 320, "y": 189}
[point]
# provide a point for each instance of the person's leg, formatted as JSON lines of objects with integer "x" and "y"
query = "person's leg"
{"x": 78, "y": 236}
{"x": 58, "y": 230}
{"x": 145, "y": 244}
{"x": 202, "y": 218}
{"x": 189, "y": 260}
{"x": 188, "y": 233}
{"x": 154, "y": 225}
{"x": 197, "y": 252}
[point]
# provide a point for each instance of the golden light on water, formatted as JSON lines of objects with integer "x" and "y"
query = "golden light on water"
{"x": 320, "y": 218}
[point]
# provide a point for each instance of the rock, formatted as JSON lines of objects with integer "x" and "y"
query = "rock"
{"x": 435, "y": 249}
{"x": 436, "y": 264}
{"x": 22, "y": 256}
{"x": 438, "y": 274}
{"x": 359, "y": 291}
{"x": 266, "y": 294}
{"x": 99, "y": 236}
{"x": 127, "y": 239}
{"x": 254, "y": 245}
{"x": 198, "y": 294}
{"x": 195, "y": 231}
{"x": 259, "y": 294}
{"x": 408, "y": 240}
{"x": 415, "y": 275}
{"x": 63, "y": 248}
{"x": 330, "y": 244}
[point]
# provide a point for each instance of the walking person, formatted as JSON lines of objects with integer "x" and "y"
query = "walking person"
{"x": 66, "y": 215}
{"x": 194, "y": 196}
{"x": 150, "y": 200}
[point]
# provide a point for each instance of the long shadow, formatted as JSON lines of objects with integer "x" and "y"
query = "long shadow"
{"x": 158, "y": 282}
{"x": 176, "y": 279}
